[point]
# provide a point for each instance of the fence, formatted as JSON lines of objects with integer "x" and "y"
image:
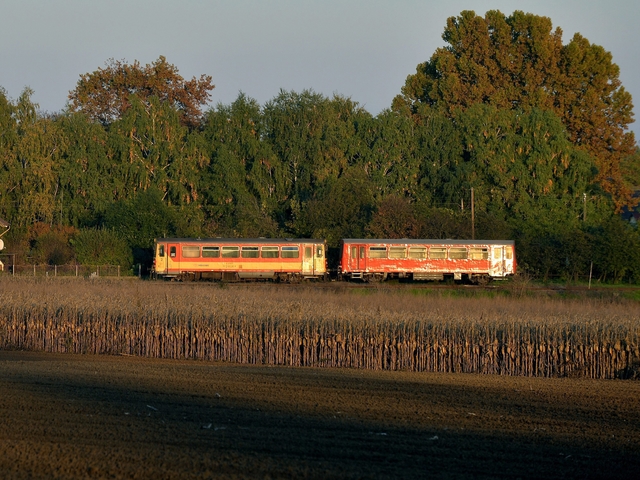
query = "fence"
{"x": 62, "y": 270}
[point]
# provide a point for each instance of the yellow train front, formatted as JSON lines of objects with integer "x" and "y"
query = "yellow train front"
{"x": 233, "y": 259}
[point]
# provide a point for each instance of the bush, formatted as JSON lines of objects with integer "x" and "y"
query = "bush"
{"x": 102, "y": 247}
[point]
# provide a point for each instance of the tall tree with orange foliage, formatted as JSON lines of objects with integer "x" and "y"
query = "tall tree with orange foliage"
{"x": 104, "y": 95}
{"x": 519, "y": 62}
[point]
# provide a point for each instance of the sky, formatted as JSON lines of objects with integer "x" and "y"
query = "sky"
{"x": 361, "y": 49}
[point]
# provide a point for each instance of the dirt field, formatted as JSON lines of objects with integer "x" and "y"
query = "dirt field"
{"x": 68, "y": 416}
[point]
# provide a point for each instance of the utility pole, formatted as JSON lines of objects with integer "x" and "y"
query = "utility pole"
{"x": 473, "y": 223}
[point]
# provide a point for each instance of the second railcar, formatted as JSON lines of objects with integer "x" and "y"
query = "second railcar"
{"x": 238, "y": 259}
{"x": 474, "y": 260}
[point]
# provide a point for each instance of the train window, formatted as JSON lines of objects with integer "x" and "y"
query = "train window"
{"x": 172, "y": 251}
{"x": 230, "y": 252}
{"x": 418, "y": 252}
{"x": 397, "y": 252}
{"x": 161, "y": 250}
{"x": 190, "y": 251}
{"x": 458, "y": 253}
{"x": 509, "y": 253}
{"x": 437, "y": 253}
{"x": 354, "y": 252}
{"x": 307, "y": 252}
{"x": 478, "y": 253}
{"x": 497, "y": 253}
{"x": 210, "y": 252}
{"x": 377, "y": 252}
{"x": 290, "y": 252}
{"x": 319, "y": 251}
{"x": 269, "y": 252}
{"x": 250, "y": 252}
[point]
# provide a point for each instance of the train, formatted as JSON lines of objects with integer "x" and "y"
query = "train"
{"x": 233, "y": 259}
{"x": 368, "y": 260}
{"x": 474, "y": 261}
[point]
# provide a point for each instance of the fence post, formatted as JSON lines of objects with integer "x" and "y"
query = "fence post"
{"x": 34, "y": 270}
{"x": 76, "y": 269}
{"x": 55, "y": 270}
{"x": 118, "y": 270}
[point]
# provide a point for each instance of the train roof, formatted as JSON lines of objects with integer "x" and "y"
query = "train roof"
{"x": 241, "y": 241}
{"x": 420, "y": 241}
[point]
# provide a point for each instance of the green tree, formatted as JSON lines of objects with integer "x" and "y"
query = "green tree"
{"x": 518, "y": 62}
{"x": 616, "y": 250}
{"x": 150, "y": 148}
{"x": 8, "y": 164}
{"x": 99, "y": 246}
{"x": 142, "y": 218}
{"x": 88, "y": 177}
{"x": 245, "y": 182}
{"x": 313, "y": 136}
{"x": 395, "y": 217}
{"x": 522, "y": 166}
{"x": 32, "y": 146}
{"x": 385, "y": 148}
{"x": 342, "y": 208}
{"x": 51, "y": 245}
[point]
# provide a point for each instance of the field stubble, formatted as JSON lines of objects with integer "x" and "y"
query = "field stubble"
{"x": 379, "y": 330}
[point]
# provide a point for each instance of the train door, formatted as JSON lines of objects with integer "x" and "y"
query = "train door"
{"x": 509, "y": 259}
{"x": 502, "y": 261}
{"x": 307, "y": 259}
{"x": 357, "y": 258}
{"x": 173, "y": 264}
{"x": 497, "y": 261}
{"x": 319, "y": 263}
{"x": 161, "y": 259}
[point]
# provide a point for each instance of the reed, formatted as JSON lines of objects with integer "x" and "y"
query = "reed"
{"x": 386, "y": 330}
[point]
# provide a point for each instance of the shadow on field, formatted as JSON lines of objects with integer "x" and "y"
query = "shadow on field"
{"x": 136, "y": 417}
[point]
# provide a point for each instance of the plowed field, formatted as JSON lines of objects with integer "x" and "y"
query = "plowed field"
{"x": 69, "y": 416}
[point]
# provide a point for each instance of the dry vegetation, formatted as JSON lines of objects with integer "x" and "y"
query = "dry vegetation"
{"x": 384, "y": 330}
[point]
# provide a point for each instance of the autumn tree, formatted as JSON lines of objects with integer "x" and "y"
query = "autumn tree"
{"x": 104, "y": 95}
{"x": 519, "y": 62}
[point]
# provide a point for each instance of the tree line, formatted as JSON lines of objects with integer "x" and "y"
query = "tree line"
{"x": 538, "y": 130}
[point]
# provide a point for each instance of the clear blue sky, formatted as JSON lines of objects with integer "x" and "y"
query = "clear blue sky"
{"x": 362, "y": 49}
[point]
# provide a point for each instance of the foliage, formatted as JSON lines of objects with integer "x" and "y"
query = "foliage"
{"x": 488, "y": 114}
{"x": 395, "y": 217}
{"x": 245, "y": 180}
{"x": 517, "y": 62}
{"x": 141, "y": 218}
{"x": 105, "y": 95}
{"x": 341, "y": 209}
{"x": 31, "y": 149}
{"x": 102, "y": 247}
{"x": 51, "y": 245}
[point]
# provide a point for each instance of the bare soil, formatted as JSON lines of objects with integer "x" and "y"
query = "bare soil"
{"x": 71, "y": 416}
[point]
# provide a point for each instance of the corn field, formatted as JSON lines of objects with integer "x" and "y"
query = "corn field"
{"x": 385, "y": 330}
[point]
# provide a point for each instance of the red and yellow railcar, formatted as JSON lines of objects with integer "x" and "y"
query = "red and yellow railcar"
{"x": 473, "y": 260}
{"x": 233, "y": 259}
